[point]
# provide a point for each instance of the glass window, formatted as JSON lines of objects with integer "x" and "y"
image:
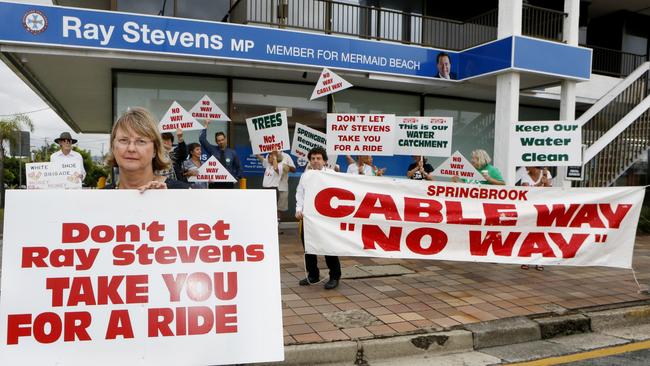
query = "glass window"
{"x": 366, "y": 101}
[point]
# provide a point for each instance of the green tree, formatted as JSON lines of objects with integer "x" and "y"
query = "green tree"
{"x": 9, "y": 128}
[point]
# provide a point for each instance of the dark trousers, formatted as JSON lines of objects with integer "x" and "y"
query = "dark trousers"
{"x": 311, "y": 262}
{"x": 221, "y": 185}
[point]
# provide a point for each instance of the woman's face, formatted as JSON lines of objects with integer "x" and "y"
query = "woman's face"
{"x": 133, "y": 152}
{"x": 196, "y": 153}
{"x": 475, "y": 161}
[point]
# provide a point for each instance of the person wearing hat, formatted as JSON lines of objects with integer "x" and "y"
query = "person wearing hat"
{"x": 67, "y": 155}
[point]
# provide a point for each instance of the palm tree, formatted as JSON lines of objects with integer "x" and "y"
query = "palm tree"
{"x": 9, "y": 128}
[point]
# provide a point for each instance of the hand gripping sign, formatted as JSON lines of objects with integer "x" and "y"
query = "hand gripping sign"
{"x": 269, "y": 132}
{"x": 212, "y": 171}
{"x": 458, "y": 166}
{"x": 360, "y": 134}
{"x": 138, "y": 283}
{"x": 178, "y": 117}
{"x": 426, "y": 136}
{"x": 328, "y": 83}
{"x": 207, "y": 110}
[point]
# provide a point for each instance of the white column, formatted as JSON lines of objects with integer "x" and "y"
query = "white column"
{"x": 507, "y": 93}
{"x": 571, "y": 34}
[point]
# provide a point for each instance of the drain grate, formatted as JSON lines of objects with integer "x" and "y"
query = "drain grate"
{"x": 375, "y": 271}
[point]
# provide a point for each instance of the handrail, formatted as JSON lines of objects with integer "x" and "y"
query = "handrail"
{"x": 613, "y": 132}
{"x": 613, "y": 93}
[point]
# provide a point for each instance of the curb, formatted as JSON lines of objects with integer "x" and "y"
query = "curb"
{"x": 470, "y": 337}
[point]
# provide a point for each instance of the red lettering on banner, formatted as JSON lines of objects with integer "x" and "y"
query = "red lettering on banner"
{"x": 455, "y": 215}
{"x": 127, "y": 254}
{"x": 569, "y": 249}
{"x": 559, "y": 213}
{"x": 496, "y": 212}
{"x": 48, "y": 327}
{"x": 119, "y": 324}
{"x": 373, "y": 234}
{"x": 323, "y": 202}
{"x": 535, "y": 243}
{"x": 480, "y": 246}
{"x": 81, "y": 290}
{"x": 614, "y": 218}
{"x": 577, "y": 215}
{"x": 192, "y": 320}
{"x": 422, "y": 210}
{"x": 202, "y": 232}
{"x": 386, "y": 207}
{"x": 199, "y": 285}
{"x": 36, "y": 257}
{"x": 438, "y": 241}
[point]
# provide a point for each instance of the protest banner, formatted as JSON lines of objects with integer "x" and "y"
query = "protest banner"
{"x": 53, "y": 175}
{"x": 329, "y": 83}
{"x": 136, "y": 282}
{"x": 458, "y": 166}
{"x": 177, "y": 117}
{"x": 207, "y": 110}
{"x": 212, "y": 171}
{"x": 426, "y": 136}
{"x": 360, "y": 134}
{"x": 546, "y": 143}
{"x": 269, "y": 132}
{"x": 377, "y": 217}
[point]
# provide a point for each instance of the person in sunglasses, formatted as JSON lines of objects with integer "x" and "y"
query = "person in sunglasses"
{"x": 67, "y": 155}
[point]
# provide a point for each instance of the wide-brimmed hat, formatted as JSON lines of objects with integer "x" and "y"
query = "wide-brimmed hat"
{"x": 65, "y": 136}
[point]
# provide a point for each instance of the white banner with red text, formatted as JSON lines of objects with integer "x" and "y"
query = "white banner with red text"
{"x": 124, "y": 278}
{"x": 367, "y": 216}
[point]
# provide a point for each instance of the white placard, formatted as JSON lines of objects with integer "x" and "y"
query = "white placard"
{"x": 207, "y": 110}
{"x": 212, "y": 171}
{"x": 53, "y": 175}
{"x": 329, "y": 83}
{"x": 360, "y": 134}
{"x": 138, "y": 283}
{"x": 426, "y": 136}
{"x": 177, "y": 117}
{"x": 458, "y": 166}
{"x": 546, "y": 143}
{"x": 377, "y": 217}
{"x": 269, "y": 132}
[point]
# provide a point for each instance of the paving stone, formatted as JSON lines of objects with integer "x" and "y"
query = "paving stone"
{"x": 352, "y": 318}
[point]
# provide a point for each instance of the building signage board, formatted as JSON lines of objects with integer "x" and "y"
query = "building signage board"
{"x": 546, "y": 143}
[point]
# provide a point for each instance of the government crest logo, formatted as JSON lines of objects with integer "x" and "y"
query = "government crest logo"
{"x": 35, "y": 22}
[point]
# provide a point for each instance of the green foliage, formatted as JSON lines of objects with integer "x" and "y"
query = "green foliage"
{"x": 8, "y": 133}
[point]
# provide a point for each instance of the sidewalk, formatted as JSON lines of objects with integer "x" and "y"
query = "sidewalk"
{"x": 440, "y": 295}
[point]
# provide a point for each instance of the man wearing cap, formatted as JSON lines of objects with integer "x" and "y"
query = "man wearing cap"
{"x": 66, "y": 154}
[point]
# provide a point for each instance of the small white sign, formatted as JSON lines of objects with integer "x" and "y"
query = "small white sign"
{"x": 212, "y": 171}
{"x": 546, "y": 143}
{"x": 458, "y": 166}
{"x": 178, "y": 117}
{"x": 306, "y": 138}
{"x": 360, "y": 134}
{"x": 269, "y": 132}
{"x": 207, "y": 110}
{"x": 329, "y": 83}
{"x": 426, "y": 136}
{"x": 53, "y": 175}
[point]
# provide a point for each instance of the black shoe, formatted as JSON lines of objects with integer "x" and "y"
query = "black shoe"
{"x": 331, "y": 284}
{"x": 307, "y": 281}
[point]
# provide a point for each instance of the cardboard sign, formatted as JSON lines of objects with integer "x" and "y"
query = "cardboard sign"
{"x": 207, "y": 110}
{"x": 377, "y": 217}
{"x": 306, "y": 138}
{"x": 360, "y": 134}
{"x": 269, "y": 132}
{"x": 329, "y": 83}
{"x": 178, "y": 117}
{"x": 458, "y": 166}
{"x": 212, "y": 171}
{"x": 426, "y": 136}
{"x": 546, "y": 143}
{"x": 138, "y": 283}
{"x": 53, "y": 175}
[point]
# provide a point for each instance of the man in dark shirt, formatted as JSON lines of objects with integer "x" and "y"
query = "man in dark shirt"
{"x": 420, "y": 169}
{"x": 226, "y": 156}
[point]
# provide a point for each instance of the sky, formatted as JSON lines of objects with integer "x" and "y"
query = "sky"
{"x": 17, "y": 97}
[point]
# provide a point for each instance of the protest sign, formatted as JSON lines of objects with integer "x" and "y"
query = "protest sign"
{"x": 178, "y": 117}
{"x": 360, "y": 134}
{"x": 212, "y": 171}
{"x": 306, "y": 138}
{"x": 329, "y": 83}
{"x": 136, "y": 282}
{"x": 377, "y": 217}
{"x": 53, "y": 175}
{"x": 426, "y": 136}
{"x": 458, "y": 166}
{"x": 269, "y": 132}
{"x": 546, "y": 143}
{"x": 207, "y": 110}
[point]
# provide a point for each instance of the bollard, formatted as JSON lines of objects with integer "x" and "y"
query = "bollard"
{"x": 242, "y": 183}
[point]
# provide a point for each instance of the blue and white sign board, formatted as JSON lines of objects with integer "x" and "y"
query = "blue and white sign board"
{"x": 91, "y": 29}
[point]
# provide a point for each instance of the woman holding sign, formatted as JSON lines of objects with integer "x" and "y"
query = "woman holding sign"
{"x": 481, "y": 161}
{"x": 136, "y": 149}
{"x": 193, "y": 163}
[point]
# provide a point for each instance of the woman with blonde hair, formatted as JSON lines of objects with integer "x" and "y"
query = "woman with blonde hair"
{"x": 136, "y": 150}
{"x": 481, "y": 161}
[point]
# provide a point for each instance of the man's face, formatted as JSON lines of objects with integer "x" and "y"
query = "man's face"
{"x": 444, "y": 66}
{"x": 167, "y": 144}
{"x": 66, "y": 145}
{"x": 317, "y": 162}
{"x": 222, "y": 141}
